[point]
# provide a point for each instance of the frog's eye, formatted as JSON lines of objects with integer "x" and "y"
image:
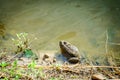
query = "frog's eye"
{"x": 65, "y": 42}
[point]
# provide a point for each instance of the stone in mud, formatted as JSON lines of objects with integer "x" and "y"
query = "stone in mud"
{"x": 98, "y": 76}
{"x": 69, "y": 51}
{"x": 45, "y": 56}
{"x": 54, "y": 60}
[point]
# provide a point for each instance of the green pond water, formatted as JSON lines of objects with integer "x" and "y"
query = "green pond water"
{"x": 81, "y": 22}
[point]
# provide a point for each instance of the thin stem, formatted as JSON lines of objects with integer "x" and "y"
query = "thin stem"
{"x": 106, "y": 43}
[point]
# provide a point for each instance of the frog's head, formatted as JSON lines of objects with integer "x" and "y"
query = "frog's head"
{"x": 63, "y": 44}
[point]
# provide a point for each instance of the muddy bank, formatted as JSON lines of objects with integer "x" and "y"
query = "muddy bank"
{"x": 48, "y": 68}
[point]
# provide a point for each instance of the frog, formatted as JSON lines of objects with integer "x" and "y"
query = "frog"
{"x": 69, "y": 51}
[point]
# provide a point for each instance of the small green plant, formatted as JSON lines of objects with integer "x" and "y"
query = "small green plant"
{"x": 40, "y": 71}
{"x": 52, "y": 78}
{"x": 3, "y": 64}
{"x": 32, "y": 65}
{"x": 12, "y": 71}
{"x": 28, "y": 53}
{"x": 15, "y": 64}
{"x": 5, "y": 78}
{"x": 21, "y": 42}
{"x": 23, "y": 45}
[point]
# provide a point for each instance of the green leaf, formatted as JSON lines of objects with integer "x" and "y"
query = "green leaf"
{"x": 17, "y": 76}
{"x": 3, "y": 64}
{"x": 15, "y": 63}
{"x": 52, "y": 78}
{"x": 28, "y": 53}
{"x": 32, "y": 64}
{"x": 5, "y": 78}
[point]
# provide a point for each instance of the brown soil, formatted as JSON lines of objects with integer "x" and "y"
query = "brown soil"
{"x": 49, "y": 69}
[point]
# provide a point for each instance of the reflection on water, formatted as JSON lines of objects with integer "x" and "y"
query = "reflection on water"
{"x": 67, "y": 35}
{"x": 81, "y": 22}
{"x": 2, "y": 31}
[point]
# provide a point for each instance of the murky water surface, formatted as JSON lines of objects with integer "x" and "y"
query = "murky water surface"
{"x": 81, "y": 22}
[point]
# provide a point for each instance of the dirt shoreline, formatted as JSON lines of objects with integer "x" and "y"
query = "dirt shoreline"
{"x": 50, "y": 69}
